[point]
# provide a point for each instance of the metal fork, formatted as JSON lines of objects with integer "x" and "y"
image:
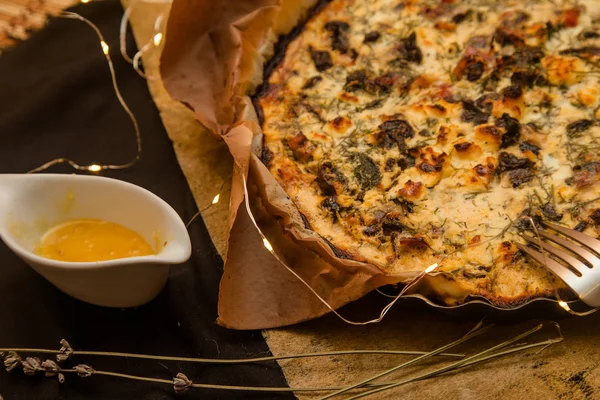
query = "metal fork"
{"x": 583, "y": 273}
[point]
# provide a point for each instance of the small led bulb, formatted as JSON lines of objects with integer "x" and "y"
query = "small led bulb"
{"x": 564, "y": 305}
{"x": 268, "y": 245}
{"x": 431, "y": 268}
{"x": 158, "y": 38}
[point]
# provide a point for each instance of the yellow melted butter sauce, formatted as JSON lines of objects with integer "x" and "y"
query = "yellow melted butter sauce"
{"x": 92, "y": 240}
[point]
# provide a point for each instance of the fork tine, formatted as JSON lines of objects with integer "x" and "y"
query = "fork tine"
{"x": 569, "y": 259}
{"x": 577, "y": 249}
{"x": 562, "y": 272}
{"x": 578, "y": 236}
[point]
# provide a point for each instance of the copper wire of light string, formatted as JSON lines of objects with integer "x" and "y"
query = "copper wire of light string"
{"x": 269, "y": 247}
{"x": 138, "y": 56}
{"x": 123, "y": 31}
{"x": 154, "y": 41}
{"x": 97, "y": 167}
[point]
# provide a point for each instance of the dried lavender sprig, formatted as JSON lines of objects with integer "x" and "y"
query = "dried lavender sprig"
{"x": 65, "y": 356}
{"x": 207, "y": 386}
{"x": 477, "y": 330}
{"x": 479, "y": 357}
{"x": 182, "y": 383}
{"x": 33, "y": 365}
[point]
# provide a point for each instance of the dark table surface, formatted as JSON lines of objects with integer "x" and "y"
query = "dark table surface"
{"x": 56, "y": 99}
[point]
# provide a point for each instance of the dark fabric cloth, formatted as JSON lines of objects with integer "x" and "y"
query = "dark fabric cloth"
{"x": 56, "y": 99}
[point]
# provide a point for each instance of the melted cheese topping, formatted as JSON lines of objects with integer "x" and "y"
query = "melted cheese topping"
{"x": 90, "y": 240}
{"x": 419, "y": 132}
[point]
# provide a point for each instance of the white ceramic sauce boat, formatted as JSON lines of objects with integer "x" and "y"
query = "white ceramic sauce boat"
{"x": 31, "y": 204}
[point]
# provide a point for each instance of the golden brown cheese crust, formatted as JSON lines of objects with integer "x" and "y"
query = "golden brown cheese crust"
{"x": 417, "y": 132}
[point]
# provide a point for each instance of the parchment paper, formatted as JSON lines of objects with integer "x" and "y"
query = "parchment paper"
{"x": 565, "y": 371}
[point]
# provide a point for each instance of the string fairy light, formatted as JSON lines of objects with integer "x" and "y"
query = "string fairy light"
{"x": 156, "y": 40}
{"x": 99, "y": 167}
